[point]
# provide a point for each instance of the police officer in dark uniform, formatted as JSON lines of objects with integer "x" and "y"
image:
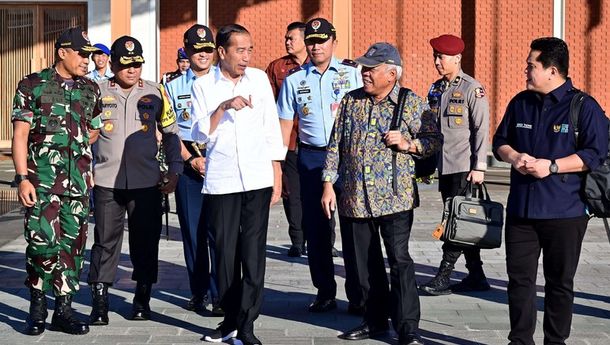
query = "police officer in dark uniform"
{"x": 128, "y": 178}
{"x": 463, "y": 116}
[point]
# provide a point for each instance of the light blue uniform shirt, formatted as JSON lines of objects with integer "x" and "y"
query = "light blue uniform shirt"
{"x": 179, "y": 92}
{"x": 315, "y": 98}
{"x": 96, "y": 76}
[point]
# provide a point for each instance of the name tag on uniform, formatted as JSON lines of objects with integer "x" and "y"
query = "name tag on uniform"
{"x": 524, "y": 125}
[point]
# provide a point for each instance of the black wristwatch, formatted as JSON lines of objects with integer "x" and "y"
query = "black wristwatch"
{"x": 20, "y": 178}
{"x": 553, "y": 168}
{"x": 189, "y": 160}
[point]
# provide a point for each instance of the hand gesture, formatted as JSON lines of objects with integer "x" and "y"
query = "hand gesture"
{"x": 237, "y": 103}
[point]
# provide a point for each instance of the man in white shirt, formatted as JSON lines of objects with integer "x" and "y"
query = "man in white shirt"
{"x": 236, "y": 116}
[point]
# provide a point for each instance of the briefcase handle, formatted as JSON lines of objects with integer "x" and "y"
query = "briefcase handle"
{"x": 469, "y": 191}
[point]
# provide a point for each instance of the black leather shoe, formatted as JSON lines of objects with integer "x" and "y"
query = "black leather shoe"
{"x": 99, "y": 304}
{"x": 196, "y": 303}
{"x": 140, "y": 310}
{"x": 322, "y": 305}
{"x": 335, "y": 252}
{"x": 217, "y": 310}
{"x": 364, "y": 331}
{"x": 411, "y": 339}
{"x": 294, "y": 252}
{"x": 355, "y": 309}
{"x": 246, "y": 339}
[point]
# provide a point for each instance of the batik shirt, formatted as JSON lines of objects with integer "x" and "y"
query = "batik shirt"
{"x": 60, "y": 117}
{"x": 361, "y": 164}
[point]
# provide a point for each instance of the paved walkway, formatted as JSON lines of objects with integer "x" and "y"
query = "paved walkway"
{"x": 480, "y": 318}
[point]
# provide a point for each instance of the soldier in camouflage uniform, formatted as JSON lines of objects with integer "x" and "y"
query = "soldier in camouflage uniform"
{"x": 53, "y": 112}
{"x": 128, "y": 178}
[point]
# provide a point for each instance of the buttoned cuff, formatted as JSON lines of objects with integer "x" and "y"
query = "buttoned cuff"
{"x": 328, "y": 176}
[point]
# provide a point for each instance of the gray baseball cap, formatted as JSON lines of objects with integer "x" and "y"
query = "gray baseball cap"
{"x": 380, "y": 53}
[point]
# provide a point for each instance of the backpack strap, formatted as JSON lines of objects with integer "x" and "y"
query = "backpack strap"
{"x": 575, "y": 108}
{"x": 394, "y": 126}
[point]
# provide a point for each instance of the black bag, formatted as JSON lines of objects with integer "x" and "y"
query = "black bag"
{"x": 596, "y": 183}
{"x": 424, "y": 167}
{"x": 473, "y": 221}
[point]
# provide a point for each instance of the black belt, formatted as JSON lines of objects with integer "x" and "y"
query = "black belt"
{"x": 314, "y": 148}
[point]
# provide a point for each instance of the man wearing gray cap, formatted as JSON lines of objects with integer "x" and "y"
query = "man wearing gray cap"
{"x": 365, "y": 152}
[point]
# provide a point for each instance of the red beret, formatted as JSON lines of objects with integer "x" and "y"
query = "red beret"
{"x": 447, "y": 44}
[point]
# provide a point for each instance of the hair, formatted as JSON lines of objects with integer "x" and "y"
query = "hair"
{"x": 397, "y": 68}
{"x": 296, "y": 25}
{"x": 223, "y": 36}
{"x": 553, "y": 52}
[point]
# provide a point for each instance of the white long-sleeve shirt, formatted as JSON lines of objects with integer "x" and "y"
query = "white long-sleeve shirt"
{"x": 241, "y": 149}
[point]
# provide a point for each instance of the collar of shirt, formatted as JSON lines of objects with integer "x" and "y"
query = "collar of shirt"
{"x": 311, "y": 68}
{"x": 558, "y": 93}
{"x": 392, "y": 96}
{"x": 219, "y": 76}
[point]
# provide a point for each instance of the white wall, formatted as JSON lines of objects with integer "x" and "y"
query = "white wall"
{"x": 98, "y": 19}
{"x": 144, "y": 27}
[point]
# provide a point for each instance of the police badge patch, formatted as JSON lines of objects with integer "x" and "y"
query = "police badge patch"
{"x": 479, "y": 92}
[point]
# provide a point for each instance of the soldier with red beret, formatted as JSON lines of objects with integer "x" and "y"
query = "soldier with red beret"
{"x": 463, "y": 116}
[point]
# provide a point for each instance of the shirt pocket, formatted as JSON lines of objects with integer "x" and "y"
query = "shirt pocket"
{"x": 457, "y": 116}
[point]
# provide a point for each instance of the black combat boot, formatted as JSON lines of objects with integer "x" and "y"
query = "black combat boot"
{"x": 99, "y": 304}
{"x": 35, "y": 322}
{"x": 474, "y": 281}
{"x": 439, "y": 285}
{"x": 141, "y": 308}
{"x": 63, "y": 318}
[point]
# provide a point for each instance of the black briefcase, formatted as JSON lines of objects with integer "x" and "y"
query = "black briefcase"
{"x": 472, "y": 221}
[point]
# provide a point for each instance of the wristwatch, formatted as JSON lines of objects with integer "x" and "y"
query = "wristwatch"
{"x": 20, "y": 178}
{"x": 190, "y": 159}
{"x": 553, "y": 168}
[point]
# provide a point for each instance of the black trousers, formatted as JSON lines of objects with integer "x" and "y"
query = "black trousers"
{"x": 401, "y": 301}
{"x": 144, "y": 213}
{"x": 238, "y": 223}
{"x": 318, "y": 228}
{"x": 292, "y": 200}
{"x": 451, "y": 185}
{"x": 560, "y": 241}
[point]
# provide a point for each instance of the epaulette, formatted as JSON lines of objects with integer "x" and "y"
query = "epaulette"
{"x": 348, "y": 62}
{"x": 171, "y": 76}
{"x": 294, "y": 70}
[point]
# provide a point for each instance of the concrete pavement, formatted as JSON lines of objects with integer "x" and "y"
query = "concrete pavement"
{"x": 477, "y": 318}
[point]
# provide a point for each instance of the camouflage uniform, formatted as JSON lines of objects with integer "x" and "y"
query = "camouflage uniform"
{"x": 59, "y": 167}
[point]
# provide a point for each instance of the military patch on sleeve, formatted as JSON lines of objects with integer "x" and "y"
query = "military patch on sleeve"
{"x": 168, "y": 116}
{"x": 294, "y": 70}
{"x": 348, "y": 62}
{"x": 479, "y": 92}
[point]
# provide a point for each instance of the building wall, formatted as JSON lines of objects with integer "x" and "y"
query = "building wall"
{"x": 266, "y": 21}
{"x": 497, "y": 36}
{"x": 175, "y": 17}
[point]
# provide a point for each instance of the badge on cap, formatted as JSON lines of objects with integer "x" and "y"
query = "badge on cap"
{"x": 129, "y": 45}
{"x": 315, "y": 24}
{"x": 201, "y": 32}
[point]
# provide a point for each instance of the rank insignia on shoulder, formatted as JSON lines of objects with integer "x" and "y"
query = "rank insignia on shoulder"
{"x": 348, "y": 62}
{"x": 294, "y": 70}
{"x": 479, "y": 92}
{"x": 171, "y": 76}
